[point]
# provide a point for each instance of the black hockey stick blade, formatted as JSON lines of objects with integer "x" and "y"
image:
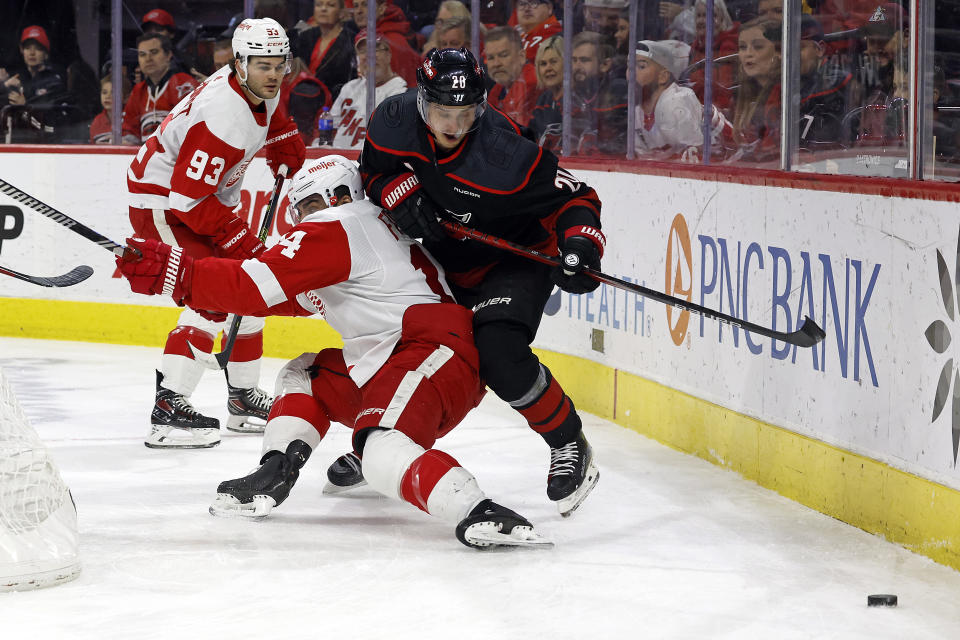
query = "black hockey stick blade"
{"x": 807, "y": 335}
{"x": 221, "y": 359}
{"x": 63, "y": 219}
{"x": 72, "y": 277}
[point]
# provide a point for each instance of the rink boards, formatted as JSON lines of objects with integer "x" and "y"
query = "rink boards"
{"x": 865, "y": 427}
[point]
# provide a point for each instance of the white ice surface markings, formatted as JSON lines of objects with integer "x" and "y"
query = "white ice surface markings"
{"x": 668, "y": 546}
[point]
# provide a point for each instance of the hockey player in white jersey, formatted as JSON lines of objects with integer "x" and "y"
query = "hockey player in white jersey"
{"x": 349, "y": 111}
{"x": 408, "y": 371}
{"x": 184, "y": 187}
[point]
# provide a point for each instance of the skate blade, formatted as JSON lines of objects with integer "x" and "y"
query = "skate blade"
{"x": 486, "y": 535}
{"x": 331, "y": 489}
{"x": 227, "y": 506}
{"x": 160, "y": 438}
{"x": 245, "y": 424}
{"x": 570, "y": 504}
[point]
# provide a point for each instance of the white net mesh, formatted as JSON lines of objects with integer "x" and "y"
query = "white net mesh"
{"x": 38, "y": 529}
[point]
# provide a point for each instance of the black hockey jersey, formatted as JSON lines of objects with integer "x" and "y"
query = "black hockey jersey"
{"x": 496, "y": 181}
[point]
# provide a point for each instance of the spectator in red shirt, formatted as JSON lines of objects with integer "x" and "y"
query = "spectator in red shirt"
{"x": 756, "y": 112}
{"x": 394, "y": 27}
{"x": 327, "y": 48}
{"x": 536, "y": 23}
{"x": 101, "y": 129}
{"x": 725, "y": 43}
{"x": 516, "y": 90}
{"x": 160, "y": 90}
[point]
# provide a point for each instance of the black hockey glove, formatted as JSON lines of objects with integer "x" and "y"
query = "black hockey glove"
{"x": 581, "y": 246}
{"x": 411, "y": 209}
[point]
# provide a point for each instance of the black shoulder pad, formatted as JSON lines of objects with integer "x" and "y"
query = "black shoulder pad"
{"x": 393, "y": 111}
{"x": 500, "y": 147}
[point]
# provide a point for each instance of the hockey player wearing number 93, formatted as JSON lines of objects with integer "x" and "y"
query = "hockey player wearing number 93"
{"x": 184, "y": 187}
{"x": 408, "y": 371}
{"x": 440, "y": 152}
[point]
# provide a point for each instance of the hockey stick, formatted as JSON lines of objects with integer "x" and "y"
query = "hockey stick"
{"x": 806, "y": 335}
{"x": 219, "y": 360}
{"x": 74, "y": 276}
{"x": 63, "y": 219}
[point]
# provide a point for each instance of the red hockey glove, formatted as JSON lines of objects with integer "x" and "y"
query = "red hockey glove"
{"x": 285, "y": 147}
{"x": 580, "y": 246}
{"x": 237, "y": 242}
{"x": 411, "y": 209}
{"x": 162, "y": 269}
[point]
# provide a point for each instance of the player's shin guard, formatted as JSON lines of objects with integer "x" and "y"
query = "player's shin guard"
{"x": 430, "y": 480}
{"x": 434, "y": 482}
{"x": 550, "y": 412}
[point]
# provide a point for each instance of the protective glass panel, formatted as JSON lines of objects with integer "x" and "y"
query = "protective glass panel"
{"x": 854, "y": 91}
{"x": 942, "y": 158}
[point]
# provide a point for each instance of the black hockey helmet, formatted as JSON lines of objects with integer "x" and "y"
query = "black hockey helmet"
{"x": 451, "y": 78}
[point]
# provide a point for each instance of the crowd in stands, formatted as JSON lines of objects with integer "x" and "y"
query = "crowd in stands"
{"x": 853, "y": 92}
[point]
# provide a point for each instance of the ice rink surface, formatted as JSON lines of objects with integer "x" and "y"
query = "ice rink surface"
{"x": 667, "y": 546}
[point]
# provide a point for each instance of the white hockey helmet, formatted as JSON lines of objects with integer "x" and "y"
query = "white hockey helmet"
{"x": 259, "y": 37}
{"x": 331, "y": 177}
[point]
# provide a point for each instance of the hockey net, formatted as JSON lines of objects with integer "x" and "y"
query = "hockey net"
{"x": 38, "y": 520}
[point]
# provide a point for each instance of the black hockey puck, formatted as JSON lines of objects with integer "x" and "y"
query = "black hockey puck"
{"x": 882, "y": 600}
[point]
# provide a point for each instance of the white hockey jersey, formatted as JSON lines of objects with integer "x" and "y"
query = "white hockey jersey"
{"x": 348, "y": 262}
{"x": 676, "y": 122}
{"x": 193, "y": 163}
{"x": 349, "y": 111}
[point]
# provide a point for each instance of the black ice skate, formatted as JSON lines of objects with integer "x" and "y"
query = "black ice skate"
{"x": 572, "y": 475}
{"x": 255, "y": 495}
{"x": 175, "y": 424}
{"x": 345, "y": 473}
{"x": 248, "y": 409}
{"x": 492, "y": 525}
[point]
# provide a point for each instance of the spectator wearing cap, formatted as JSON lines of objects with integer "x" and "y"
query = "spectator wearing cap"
{"x": 454, "y": 34}
{"x": 547, "y": 118}
{"x": 394, "y": 27}
{"x": 601, "y": 16}
{"x": 349, "y": 110}
{"x": 824, "y": 91}
{"x": 159, "y": 21}
{"x": 599, "y": 96}
{"x": 515, "y": 92}
{"x": 34, "y": 81}
{"x": 327, "y": 48}
{"x": 536, "y": 23}
{"x": 756, "y": 111}
{"x": 161, "y": 89}
{"x": 669, "y": 117}
{"x": 880, "y": 52}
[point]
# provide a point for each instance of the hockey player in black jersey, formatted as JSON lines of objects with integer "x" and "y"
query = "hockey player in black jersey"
{"x": 439, "y": 151}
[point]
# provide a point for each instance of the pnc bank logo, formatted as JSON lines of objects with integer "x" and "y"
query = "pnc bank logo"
{"x": 678, "y": 281}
